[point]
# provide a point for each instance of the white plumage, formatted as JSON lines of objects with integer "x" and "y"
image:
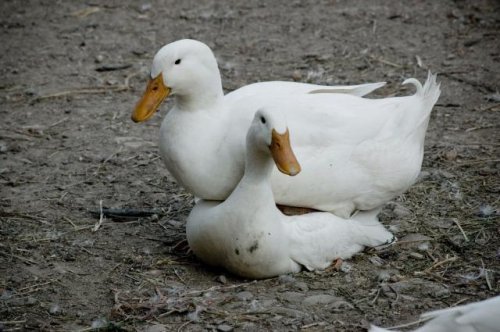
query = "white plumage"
{"x": 249, "y": 236}
{"x": 483, "y": 316}
{"x": 356, "y": 153}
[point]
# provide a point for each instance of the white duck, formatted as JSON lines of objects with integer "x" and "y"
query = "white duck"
{"x": 357, "y": 153}
{"x": 249, "y": 236}
{"x": 482, "y": 316}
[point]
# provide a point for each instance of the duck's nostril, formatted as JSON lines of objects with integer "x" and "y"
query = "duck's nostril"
{"x": 294, "y": 171}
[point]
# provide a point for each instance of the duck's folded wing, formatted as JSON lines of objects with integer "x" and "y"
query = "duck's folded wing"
{"x": 283, "y": 88}
{"x": 355, "y": 90}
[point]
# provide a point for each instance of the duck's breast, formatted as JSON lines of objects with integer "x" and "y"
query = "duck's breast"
{"x": 199, "y": 152}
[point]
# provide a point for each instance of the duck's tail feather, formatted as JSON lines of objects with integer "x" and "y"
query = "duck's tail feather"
{"x": 428, "y": 95}
{"x": 431, "y": 89}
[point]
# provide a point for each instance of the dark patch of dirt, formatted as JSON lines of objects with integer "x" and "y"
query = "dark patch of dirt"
{"x": 71, "y": 74}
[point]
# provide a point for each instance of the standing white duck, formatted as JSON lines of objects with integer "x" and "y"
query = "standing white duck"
{"x": 357, "y": 153}
{"x": 250, "y": 237}
{"x": 482, "y": 316}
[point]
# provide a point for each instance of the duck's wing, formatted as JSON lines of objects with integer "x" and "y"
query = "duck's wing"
{"x": 355, "y": 90}
{"x": 478, "y": 316}
{"x": 317, "y": 239}
{"x": 474, "y": 317}
{"x": 273, "y": 88}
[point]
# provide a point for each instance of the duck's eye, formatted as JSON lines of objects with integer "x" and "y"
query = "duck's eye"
{"x": 263, "y": 119}
{"x": 178, "y": 62}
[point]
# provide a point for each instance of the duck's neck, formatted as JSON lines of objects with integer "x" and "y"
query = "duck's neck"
{"x": 258, "y": 170}
{"x": 206, "y": 93}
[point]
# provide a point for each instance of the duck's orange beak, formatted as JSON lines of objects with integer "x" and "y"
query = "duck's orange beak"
{"x": 283, "y": 155}
{"x": 155, "y": 94}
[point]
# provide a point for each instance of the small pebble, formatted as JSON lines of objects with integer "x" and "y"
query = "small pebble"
{"x": 3, "y": 147}
{"x": 99, "y": 323}
{"x": 296, "y": 75}
{"x": 302, "y": 286}
{"x": 377, "y": 261}
{"x": 224, "y": 328}
{"x": 54, "y": 309}
{"x": 286, "y": 279}
{"x": 493, "y": 97}
{"x": 424, "y": 246}
{"x": 417, "y": 255}
{"x": 30, "y": 92}
{"x": 99, "y": 58}
{"x": 194, "y": 315}
{"x": 319, "y": 299}
{"x": 31, "y": 300}
{"x": 442, "y": 223}
{"x": 145, "y": 7}
{"x": 346, "y": 267}
{"x": 155, "y": 328}
{"x": 155, "y": 273}
{"x": 424, "y": 175}
{"x": 292, "y": 297}
{"x": 384, "y": 275}
{"x": 222, "y": 279}
{"x": 401, "y": 211}
{"x": 451, "y": 155}
{"x": 415, "y": 240}
{"x": 6, "y": 294}
{"x": 244, "y": 296}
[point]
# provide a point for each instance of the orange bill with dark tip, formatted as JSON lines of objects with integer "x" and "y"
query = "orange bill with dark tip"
{"x": 155, "y": 94}
{"x": 283, "y": 155}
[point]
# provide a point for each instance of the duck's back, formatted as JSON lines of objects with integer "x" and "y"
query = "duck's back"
{"x": 356, "y": 153}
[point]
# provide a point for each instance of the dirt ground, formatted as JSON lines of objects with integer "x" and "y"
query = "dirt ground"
{"x": 71, "y": 74}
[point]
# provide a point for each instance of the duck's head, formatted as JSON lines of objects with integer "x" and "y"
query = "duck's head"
{"x": 185, "y": 68}
{"x": 269, "y": 134}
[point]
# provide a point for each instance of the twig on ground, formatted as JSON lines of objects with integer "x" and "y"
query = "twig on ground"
{"x": 58, "y": 122}
{"x": 468, "y": 81}
{"x": 71, "y": 222}
{"x": 178, "y": 276}
{"x": 444, "y": 261}
{"x": 490, "y": 107}
{"x": 33, "y": 286}
{"x": 486, "y": 276}
{"x": 468, "y": 130}
{"x": 213, "y": 288}
{"x": 408, "y": 324}
{"x": 125, "y": 212}
{"x": 376, "y": 296}
{"x": 26, "y": 260}
{"x": 88, "y": 90}
{"x": 455, "y": 220}
{"x": 381, "y": 60}
{"x": 183, "y": 325}
{"x": 12, "y": 322}
{"x": 101, "y": 218}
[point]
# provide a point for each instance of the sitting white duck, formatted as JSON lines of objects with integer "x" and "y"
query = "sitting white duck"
{"x": 250, "y": 237}
{"x": 482, "y": 316}
{"x": 357, "y": 153}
